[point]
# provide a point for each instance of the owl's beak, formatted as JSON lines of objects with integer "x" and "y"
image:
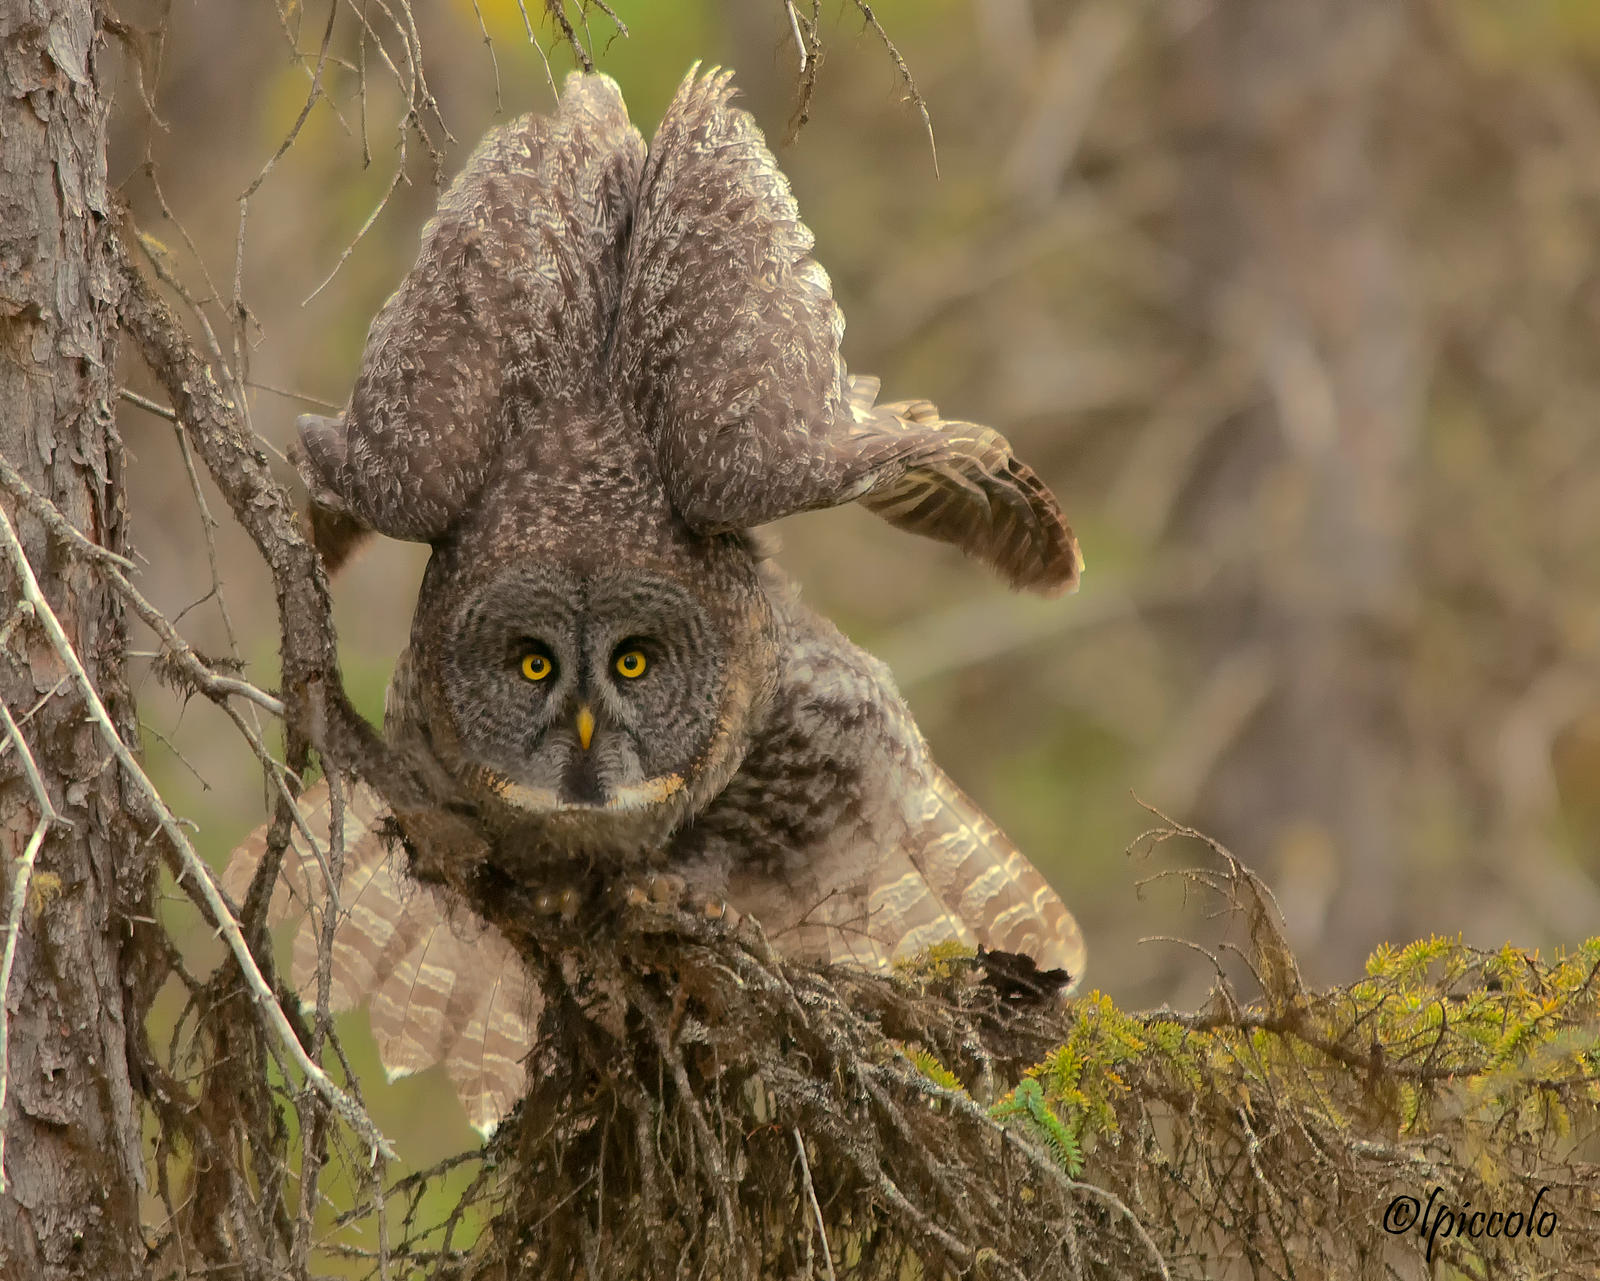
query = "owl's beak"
{"x": 585, "y": 726}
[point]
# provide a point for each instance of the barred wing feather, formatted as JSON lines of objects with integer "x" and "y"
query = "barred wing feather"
{"x": 442, "y": 987}
{"x": 965, "y": 486}
{"x": 959, "y": 879}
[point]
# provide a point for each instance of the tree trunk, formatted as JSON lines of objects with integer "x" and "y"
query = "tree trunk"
{"x": 72, "y": 1127}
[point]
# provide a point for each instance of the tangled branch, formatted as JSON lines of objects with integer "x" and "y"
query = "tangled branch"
{"x": 191, "y": 868}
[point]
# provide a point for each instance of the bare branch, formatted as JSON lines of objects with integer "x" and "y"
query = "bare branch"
{"x": 178, "y": 650}
{"x": 494, "y": 62}
{"x": 372, "y": 217}
{"x": 313, "y": 693}
{"x": 557, "y": 9}
{"x": 811, "y": 1198}
{"x": 290, "y": 394}
{"x": 149, "y": 406}
{"x": 906, "y": 78}
{"x": 191, "y": 864}
{"x": 47, "y": 810}
{"x": 20, "y": 881}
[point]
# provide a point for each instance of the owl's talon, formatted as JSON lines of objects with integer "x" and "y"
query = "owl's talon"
{"x": 563, "y": 902}
{"x": 719, "y": 909}
{"x": 666, "y": 889}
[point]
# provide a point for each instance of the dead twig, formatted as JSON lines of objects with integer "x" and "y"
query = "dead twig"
{"x": 20, "y": 881}
{"x": 906, "y": 78}
{"x": 811, "y": 1199}
{"x": 21, "y": 878}
{"x": 192, "y": 867}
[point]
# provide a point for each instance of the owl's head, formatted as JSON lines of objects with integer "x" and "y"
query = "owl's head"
{"x": 594, "y": 700}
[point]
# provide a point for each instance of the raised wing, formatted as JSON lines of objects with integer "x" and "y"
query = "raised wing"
{"x": 562, "y": 261}
{"x": 728, "y": 341}
{"x": 442, "y": 986}
{"x": 728, "y": 336}
{"x": 515, "y": 288}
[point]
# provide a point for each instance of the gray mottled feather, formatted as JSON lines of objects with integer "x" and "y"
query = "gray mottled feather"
{"x": 847, "y": 840}
{"x": 511, "y": 301}
{"x": 839, "y": 833}
{"x": 728, "y": 336}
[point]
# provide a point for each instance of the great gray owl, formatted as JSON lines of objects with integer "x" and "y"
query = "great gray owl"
{"x": 609, "y": 364}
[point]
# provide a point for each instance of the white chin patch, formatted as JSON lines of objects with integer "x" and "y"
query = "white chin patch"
{"x": 636, "y": 796}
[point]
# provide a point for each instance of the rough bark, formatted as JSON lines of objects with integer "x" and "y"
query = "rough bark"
{"x": 72, "y": 1156}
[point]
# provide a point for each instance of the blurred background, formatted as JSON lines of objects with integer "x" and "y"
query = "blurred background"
{"x": 1294, "y": 303}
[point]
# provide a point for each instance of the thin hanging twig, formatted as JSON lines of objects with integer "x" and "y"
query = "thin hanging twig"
{"x": 192, "y": 866}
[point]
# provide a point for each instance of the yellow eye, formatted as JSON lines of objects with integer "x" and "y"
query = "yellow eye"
{"x": 631, "y": 664}
{"x": 536, "y": 667}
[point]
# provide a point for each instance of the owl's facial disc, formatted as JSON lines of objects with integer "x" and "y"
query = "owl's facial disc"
{"x": 588, "y": 698}
{"x": 583, "y": 784}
